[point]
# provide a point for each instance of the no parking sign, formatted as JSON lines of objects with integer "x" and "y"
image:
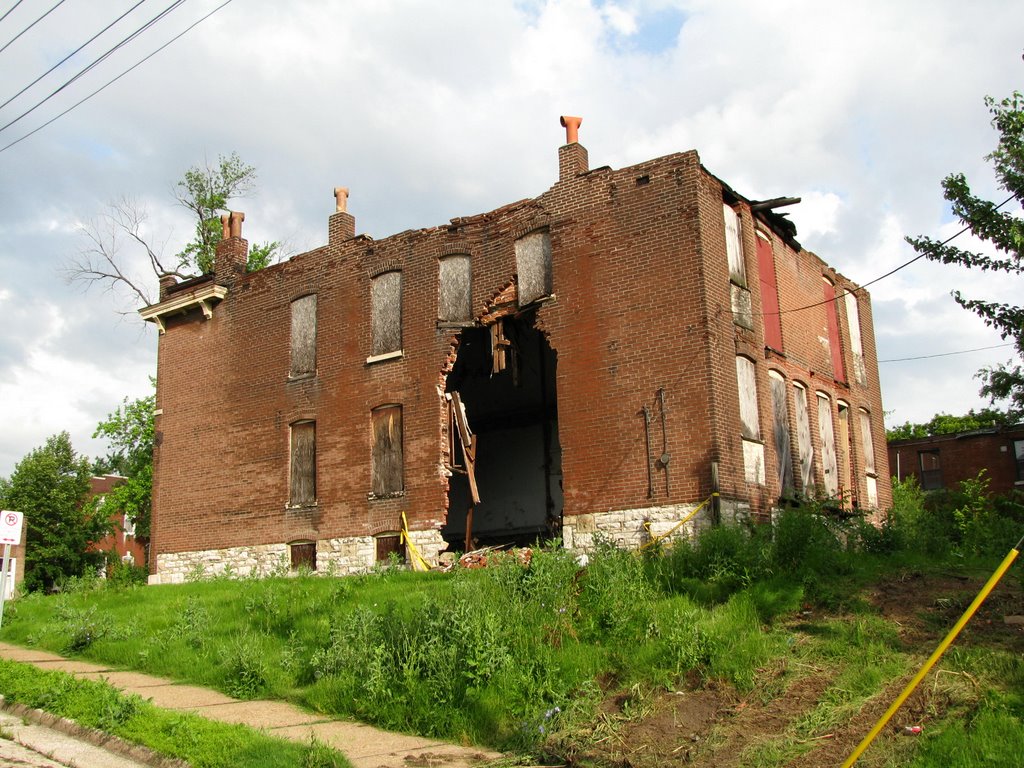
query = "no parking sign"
{"x": 10, "y": 527}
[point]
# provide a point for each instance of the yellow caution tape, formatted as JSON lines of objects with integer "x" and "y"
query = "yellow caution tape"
{"x": 418, "y": 563}
{"x": 655, "y": 539}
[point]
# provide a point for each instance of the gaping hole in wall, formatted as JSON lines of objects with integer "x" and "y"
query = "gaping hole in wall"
{"x": 504, "y": 377}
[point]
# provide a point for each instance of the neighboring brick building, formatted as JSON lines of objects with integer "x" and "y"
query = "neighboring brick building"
{"x": 616, "y": 343}
{"x": 943, "y": 461}
{"x": 122, "y": 539}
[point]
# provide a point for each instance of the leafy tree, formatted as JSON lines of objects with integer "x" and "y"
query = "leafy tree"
{"x": 49, "y": 486}
{"x": 205, "y": 191}
{"x": 1005, "y": 232}
{"x": 129, "y": 429}
{"x": 947, "y": 424}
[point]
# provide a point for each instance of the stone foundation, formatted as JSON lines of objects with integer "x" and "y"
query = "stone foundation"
{"x": 633, "y": 528}
{"x": 333, "y": 557}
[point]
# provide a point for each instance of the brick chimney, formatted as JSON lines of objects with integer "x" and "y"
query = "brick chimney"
{"x": 166, "y": 283}
{"x": 342, "y": 224}
{"x": 232, "y": 252}
{"x": 572, "y": 157}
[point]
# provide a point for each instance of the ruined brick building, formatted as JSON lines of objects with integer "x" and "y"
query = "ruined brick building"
{"x": 600, "y": 358}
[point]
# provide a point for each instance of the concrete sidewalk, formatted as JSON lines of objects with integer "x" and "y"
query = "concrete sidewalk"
{"x": 364, "y": 745}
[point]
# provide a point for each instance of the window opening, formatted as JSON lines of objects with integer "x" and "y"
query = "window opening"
{"x": 386, "y": 313}
{"x": 533, "y": 266}
{"x": 769, "y": 293}
{"x": 387, "y": 461}
{"x": 750, "y": 427}
{"x": 739, "y": 293}
{"x": 454, "y": 302}
{"x": 303, "y": 464}
{"x": 803, "y": 437}
{"x": 780, "y": 432}
{"x": 303, "y": 336}
{"x": 832, "y": 321}
{"x": 844, "y": 455}
{"x": 390, "y": 547}
{"x": 303, "y": 555}
{"x": 829, "y": 470}
{"x": 931, "y": 469}
{"x": 1018, "y": 451}
{"x": 856, "y": 344}
{"x": 867, "y": 445}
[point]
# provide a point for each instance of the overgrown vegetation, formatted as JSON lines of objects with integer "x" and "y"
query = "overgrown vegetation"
{"x": 525, "y": 659}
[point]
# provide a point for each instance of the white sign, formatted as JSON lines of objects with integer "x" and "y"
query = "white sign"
{"x": 10, "y": 527}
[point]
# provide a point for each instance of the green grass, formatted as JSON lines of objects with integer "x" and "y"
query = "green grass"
{"x": 506, "y": 656}
{"x": 202, "y": 743}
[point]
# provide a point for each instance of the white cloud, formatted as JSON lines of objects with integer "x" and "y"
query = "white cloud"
{"x": 428, "y": 111}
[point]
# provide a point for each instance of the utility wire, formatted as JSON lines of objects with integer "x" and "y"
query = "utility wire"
{"x": 111, "y": 82}
{"x": 79, "y": 48}
{"x": 887, "y": 274}
{"x": 11, "y": 10}
{"x": 26, "y": 29}
{"x": 97, "y": 61}
{"x": 945, "y": 354}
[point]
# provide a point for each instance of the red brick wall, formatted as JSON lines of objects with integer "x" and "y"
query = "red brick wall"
{"x": 641, "y": 303}
{"x": 963, "y": 457}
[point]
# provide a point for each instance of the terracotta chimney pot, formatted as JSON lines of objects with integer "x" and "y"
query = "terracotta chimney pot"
{"x": 572, "y": 128}
{"x": 237, "y": 217}
{"x": 340, "y": 199}
{"x": 225, "y": 229}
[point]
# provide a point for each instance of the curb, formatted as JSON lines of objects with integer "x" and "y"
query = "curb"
{"x": 97, "y": 738}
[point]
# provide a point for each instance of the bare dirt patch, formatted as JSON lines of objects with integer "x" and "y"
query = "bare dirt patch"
{"x": 710, "y": 726}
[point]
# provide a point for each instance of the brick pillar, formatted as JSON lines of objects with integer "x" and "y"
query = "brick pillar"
{"x": 233, "y": 250}
{"x": 572, "y": 161}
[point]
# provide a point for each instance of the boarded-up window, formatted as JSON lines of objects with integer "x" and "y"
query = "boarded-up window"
{"x": 780, "y": 431}
{"x": 803, "y": 438}
{"x": 734, "y": 246}
{"x": 386, "y": 313}
{"x": 303, "y": 342}
{"x": 454, "y": 301}
{"x": 769, "y": 293}
{"x": 868, "y": 449}
{"x": 856, "y": 345}
{"x": 302, "y": 486}
{"x": 826, "y": 431}
{"x": 832, "y": 321}
{"x": 750, "y": 422}
{"x": 303, "y": 555}
{"x": 390, "y": 547}
{"x": 844, "y": 456}
{"x": 386, "y": 472}
{"x": 533, "y": 265}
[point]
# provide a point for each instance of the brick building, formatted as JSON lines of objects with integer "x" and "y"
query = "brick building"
{"x": 942, "y": 461}
{"x": 121, "y": 540}
{"x": 596, "y": 359}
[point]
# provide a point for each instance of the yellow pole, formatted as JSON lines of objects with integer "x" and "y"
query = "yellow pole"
{"x": 989, "y": 586}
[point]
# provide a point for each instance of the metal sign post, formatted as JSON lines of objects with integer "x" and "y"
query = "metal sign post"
{"x": 10, "y": 533}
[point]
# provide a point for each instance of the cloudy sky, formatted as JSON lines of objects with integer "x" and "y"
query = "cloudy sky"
{"x": 449, "y": 108}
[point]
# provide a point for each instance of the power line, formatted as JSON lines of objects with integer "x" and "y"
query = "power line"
{"x": 79, "y": 48}
{"x": 11, "y": 10}
{"x": 887, "y": 274}
{"x": 26, "y": 29}
{"x": 945, "y": 354}
{"x": 98, "y": 60}
{"x": 111, "y": 82}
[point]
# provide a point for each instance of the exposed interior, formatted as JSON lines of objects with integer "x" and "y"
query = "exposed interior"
{"x": 511, "y": 411}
